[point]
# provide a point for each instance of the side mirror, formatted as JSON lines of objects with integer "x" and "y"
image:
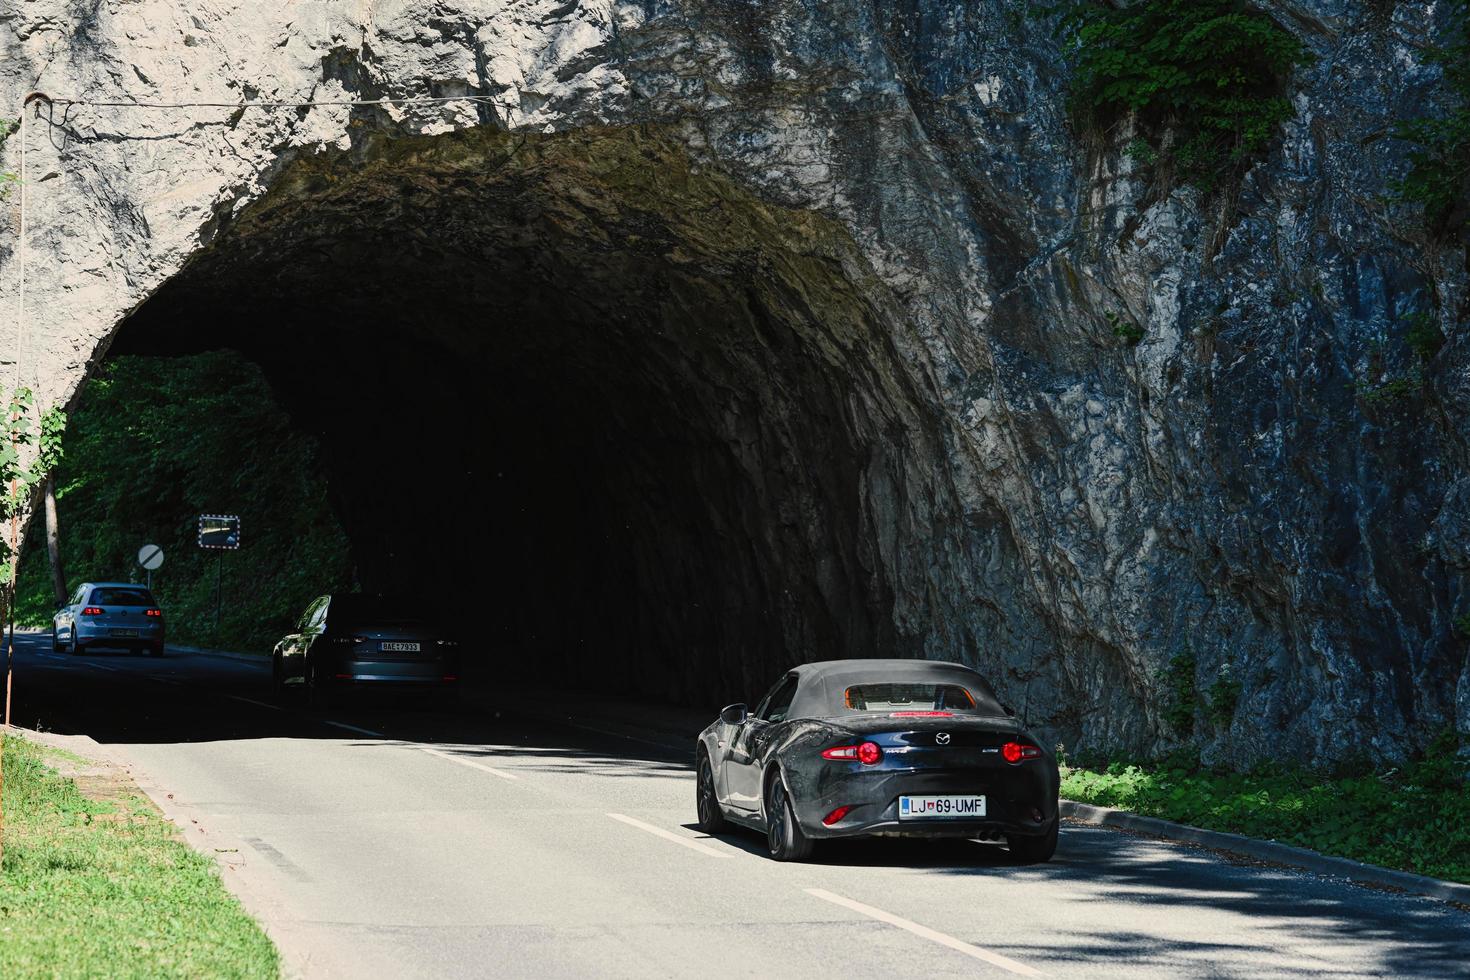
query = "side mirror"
{"x": 734, "y": 714}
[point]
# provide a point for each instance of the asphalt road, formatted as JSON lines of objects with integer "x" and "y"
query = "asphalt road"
{"x": 383, "y": 842}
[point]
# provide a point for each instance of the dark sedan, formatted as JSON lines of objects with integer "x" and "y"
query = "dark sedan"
{"x": 856, "y": 748}
{"x": 357, "y": 640}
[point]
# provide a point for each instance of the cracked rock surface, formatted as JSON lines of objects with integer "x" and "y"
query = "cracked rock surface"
{"x": 794, "y": 320}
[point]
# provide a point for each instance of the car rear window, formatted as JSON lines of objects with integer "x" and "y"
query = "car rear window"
{"x": 122, "y": 597}
{"x": 908, "y": 697}
{"x": 363, "y": 608}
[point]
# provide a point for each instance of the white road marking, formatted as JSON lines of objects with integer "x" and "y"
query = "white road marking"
{"x": 351, "y": 728}
{"x": 669, "y": 836}
{"x": 259, "y": 704}
{"x": 994, "y": 959}
{"x": 471, "y": 763}
{"x": 101, "y": 667}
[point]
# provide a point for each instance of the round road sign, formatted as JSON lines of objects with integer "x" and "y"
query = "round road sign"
{"x": 150, "y": 556}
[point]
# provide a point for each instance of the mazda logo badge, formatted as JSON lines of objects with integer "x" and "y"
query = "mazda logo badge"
{"x": 942, "y": 738}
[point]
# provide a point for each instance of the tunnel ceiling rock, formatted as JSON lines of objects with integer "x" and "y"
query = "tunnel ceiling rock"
{"x": 852, "y": 269}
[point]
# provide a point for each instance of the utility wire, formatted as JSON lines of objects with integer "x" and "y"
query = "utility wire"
{"x": 406, "y": 100}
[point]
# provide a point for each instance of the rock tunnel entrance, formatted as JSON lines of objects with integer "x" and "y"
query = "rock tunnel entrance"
{"x": 627, "y": 422}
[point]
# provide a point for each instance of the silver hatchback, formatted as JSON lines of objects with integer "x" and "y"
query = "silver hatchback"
{"x": 117, "y": 615}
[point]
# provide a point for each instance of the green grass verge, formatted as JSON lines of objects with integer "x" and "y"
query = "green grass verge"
{"x": 106, "y": 888}
{"x": 1415, "y": 818}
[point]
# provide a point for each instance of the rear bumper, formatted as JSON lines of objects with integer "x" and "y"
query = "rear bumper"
{"x": 376, "y": 673}
{"x": 1021, "y": 801}
{"x": 103, "y": 636}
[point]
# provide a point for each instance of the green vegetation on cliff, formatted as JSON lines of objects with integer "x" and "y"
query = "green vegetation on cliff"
{"x": 1205, "y": 79}
{"x": 153, "y": 443}
{"x": 1439, "y": 162}
{"x": 1414, "y": 818}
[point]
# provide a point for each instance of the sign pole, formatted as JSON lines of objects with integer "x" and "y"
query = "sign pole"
{"x": 219, "y": 533}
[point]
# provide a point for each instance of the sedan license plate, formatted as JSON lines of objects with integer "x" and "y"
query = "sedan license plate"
{"x": 941, "y": 807}
{"x": 125, "y": 633}
{"x": 399, "y": 647}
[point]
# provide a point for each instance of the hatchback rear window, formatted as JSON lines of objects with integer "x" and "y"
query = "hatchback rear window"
{"x": 908, "y": 697}
{"x": 122, "y": 597}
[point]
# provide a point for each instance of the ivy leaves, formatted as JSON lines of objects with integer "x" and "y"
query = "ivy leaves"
{"x": 1205, "y": 79}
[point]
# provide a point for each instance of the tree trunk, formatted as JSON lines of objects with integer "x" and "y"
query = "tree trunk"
{"x": 53, "y": 545}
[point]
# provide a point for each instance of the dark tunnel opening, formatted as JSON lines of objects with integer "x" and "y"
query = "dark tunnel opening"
{"x": 629, "y": 425}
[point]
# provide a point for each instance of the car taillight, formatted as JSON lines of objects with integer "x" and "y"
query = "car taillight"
{"x": 868, "y": 753}
{"x": 155, "y": 613}
{"x": 1014, "y": 752}
{"x": 92, "y": 611}
{"x": 921, "y": 714}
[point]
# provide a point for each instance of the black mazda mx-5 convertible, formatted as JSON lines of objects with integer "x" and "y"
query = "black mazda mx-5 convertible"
{"x": 855, "y": 748}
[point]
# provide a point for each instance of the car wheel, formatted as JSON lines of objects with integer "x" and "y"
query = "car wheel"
{"x": 56, "y": 645}
{"x": 711, "y": 817}
{"x": 1034, "y": 850}
{"x": 783, "y": 835}
{"x": 74, "y": 648}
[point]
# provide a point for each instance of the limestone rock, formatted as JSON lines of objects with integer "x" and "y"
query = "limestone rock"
{"x": 916, "y": 431}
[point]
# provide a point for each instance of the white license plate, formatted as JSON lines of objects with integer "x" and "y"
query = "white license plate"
{"x": 399, "y": 647}
{"x": 941, "y": 807}
{"x": 125, "y": 633}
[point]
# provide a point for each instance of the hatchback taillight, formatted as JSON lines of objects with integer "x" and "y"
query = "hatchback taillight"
{"x": 155, "y": 613}
{"x": 92, "y": 611}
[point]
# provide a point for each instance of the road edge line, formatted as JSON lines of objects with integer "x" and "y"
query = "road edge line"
{"x": 924, "y": 932}
{"x": 669, "y": 835}
{"x": 471, "y": 763}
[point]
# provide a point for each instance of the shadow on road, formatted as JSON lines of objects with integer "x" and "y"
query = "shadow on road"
{"x": 124, "y": 699}
{"x": 192, "y": 698}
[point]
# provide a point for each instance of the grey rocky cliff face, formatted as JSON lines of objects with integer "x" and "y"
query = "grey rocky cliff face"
{"x": 1025, "y": 492}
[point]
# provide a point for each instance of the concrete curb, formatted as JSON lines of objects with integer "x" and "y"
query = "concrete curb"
{"x": 1296, "y": 857}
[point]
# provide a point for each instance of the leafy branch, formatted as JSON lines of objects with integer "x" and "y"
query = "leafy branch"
{"x": 1439, "y": 164}
{"x": 28, "y": 454}
{"x": 1205, "y": 79}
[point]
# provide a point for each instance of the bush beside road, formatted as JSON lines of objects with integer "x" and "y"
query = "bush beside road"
{"x": 1414, "y": 818}
{"x": 99, "y": 884}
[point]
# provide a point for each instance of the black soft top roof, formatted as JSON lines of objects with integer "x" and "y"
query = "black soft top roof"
{"x": 819, "y": 693}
